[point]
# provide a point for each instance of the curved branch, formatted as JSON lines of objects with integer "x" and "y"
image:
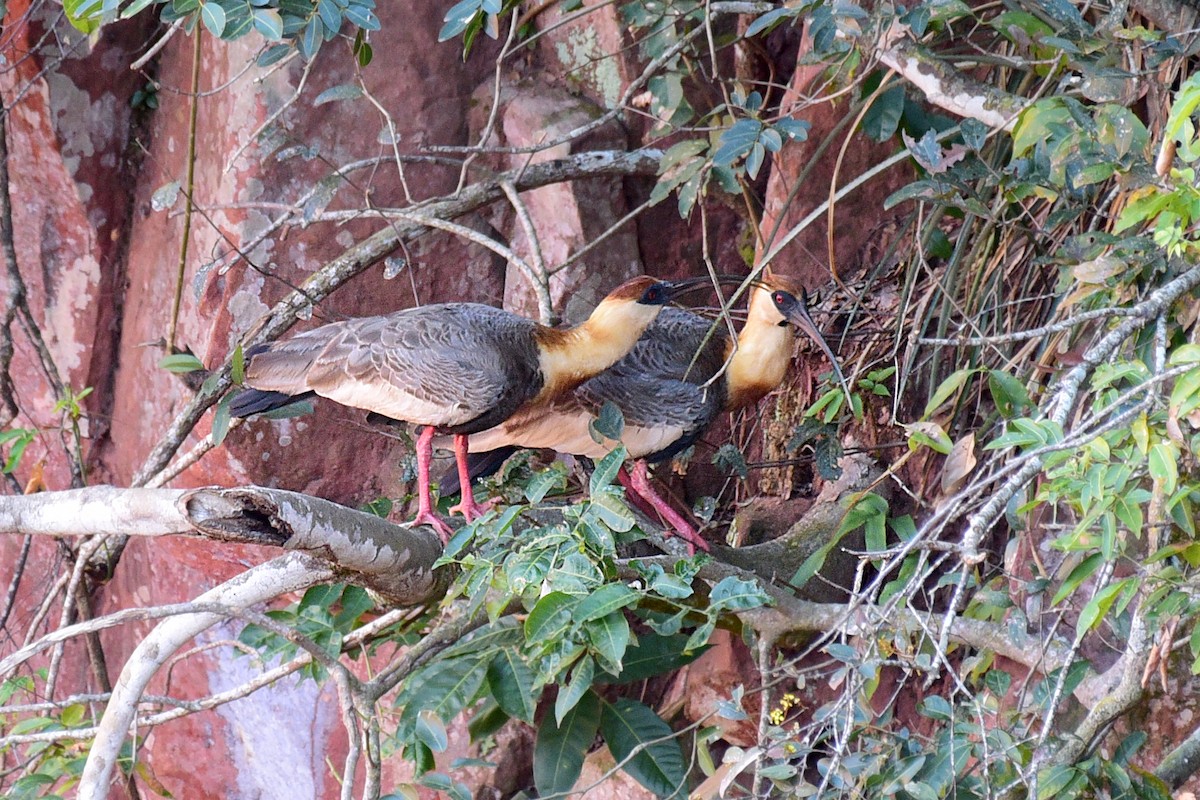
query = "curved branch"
{"x": 288, "y": 573}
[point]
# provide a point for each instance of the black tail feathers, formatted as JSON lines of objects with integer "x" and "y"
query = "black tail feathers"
{"x": 479, "y": 465}
{"x": 255, "y": 401}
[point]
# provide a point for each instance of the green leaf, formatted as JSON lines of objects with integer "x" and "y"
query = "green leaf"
{"x": 213, "y": 17}
{"x": 73, "y": 715}
{"x": 542, "y": 482}
{"x": 573, "y": 691}
{"x": 1096, "y": 609}
{"x": 84, "y": 15}
{"x": 736, "y": 594}
{"x": 928, "y": 434}
{"x": 457, "y": 18}
{"x": 736, "y": 141}
{"x": 345, "y": 91}
{"x": 221, "y": 418}
{"x": 269, "y": 23}
{"x": 772, "y": 18}
{"x": 1034, "y": 124}
{"x": 655, "y": 654}
{"x": 606, "y": 470}
{"x": 1008, "y": 393}
{"x": 560, "y": 748}
{"x": 883, "y": 117}
{"x": 1054, "y": 781}
{"x": 609, "y": 638}
{"x": 502, "y": 634}
{"x": 605, "y": 600}
{"x": 312, "y": 36}
{"x": 701, "y": 635}
{"x": 180, "y": 362}
{"x": 511, "y": 682}
{"x": 444, "y": 689}
{"x": 730, "y": 459}
{"x": 1163, "y": 466}
{"x": 658, "y": 766}
{"x": 431, "y": 731}
{"x": 331, "y": 17}
{"x": 363, "y": 51}
{"x": 237, "y": 365}
{"x": 486, "y": 720}
{"x": 608, "y": 424}
{"x": 945, "y": 389}
{"x": 1184, "y": 354}
{"x": 365, "y": 19}
{"x": 1187, "y": 99}
{"x": 610, "y": 509}
{"x": 551, "y": 617}
{"x": 1186, "y": 385}
{"x": 1083, "y": 570}
{"x": 667, "y": 584}
{"x": 936, "y": 707}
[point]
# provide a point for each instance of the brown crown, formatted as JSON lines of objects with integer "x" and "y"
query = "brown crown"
{"x": 632, "y": 289}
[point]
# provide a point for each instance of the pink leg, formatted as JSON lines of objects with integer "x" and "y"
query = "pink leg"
{"x": 639, "y": 482}
{"x": 468, "y": 507}
{"x": 425, "y": 513}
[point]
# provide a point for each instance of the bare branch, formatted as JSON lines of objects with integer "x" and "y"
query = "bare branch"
{"x": 393, "y": 560}
{"x": 945, "y": 87}
{"x": 288, "y": 573}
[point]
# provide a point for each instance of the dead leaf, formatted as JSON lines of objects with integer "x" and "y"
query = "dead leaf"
{"x": 37, "y": 478}
{"x": 1099, "y": 270}
{"x": 711, "y": 787}
{"x": 959, "y": 463}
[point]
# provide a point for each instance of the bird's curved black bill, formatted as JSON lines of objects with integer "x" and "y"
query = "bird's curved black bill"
{"x": 796, "y": 312}
{"x": 680, "y": 287}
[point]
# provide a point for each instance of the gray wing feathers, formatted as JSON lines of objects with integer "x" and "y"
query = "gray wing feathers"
{"x": 661, "y": 381}
{"x": 436, "y": 365}
{"x": 658, "y": 386}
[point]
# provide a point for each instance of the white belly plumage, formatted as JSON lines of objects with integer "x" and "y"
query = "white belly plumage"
{"x": 391, "y": 401}
{"x": 568, "y": 433}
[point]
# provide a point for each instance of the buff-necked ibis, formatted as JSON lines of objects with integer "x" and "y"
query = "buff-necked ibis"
{"x": 670, "y": 388}
{"x": 455, "y": 368}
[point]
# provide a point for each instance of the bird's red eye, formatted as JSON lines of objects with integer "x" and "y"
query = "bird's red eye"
{"x": 779, "y": 297}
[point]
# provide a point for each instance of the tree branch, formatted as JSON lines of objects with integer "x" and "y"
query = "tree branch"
{"x": 288, "y": 573}
{"x": 392, "y": 560}
{"x": 946, "y": 87}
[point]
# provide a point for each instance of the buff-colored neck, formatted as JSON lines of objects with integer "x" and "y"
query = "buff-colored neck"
{"x": 570, "y": 357}
{"x": 764, "y": 350}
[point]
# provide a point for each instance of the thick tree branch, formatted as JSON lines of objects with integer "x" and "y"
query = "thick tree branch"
{"x": 790, "y": 615}
{"x": 946, "y": 87}
{"x": 392, "y": 560}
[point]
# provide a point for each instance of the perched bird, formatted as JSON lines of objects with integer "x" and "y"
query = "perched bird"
{"x": 669, "y": 388}
{"x": 456, "y": 368}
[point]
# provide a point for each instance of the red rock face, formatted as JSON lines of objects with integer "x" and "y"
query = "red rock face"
{"x": 807, "y": 257}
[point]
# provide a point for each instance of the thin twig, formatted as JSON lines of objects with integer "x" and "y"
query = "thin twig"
{"x": 189, "y": 191}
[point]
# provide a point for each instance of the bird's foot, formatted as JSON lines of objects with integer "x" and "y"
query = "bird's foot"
{"x": 639, "y": 481}
{"x": 691, "y": 536}
{"x": 473, "y": 511}
{"x": 425, "y": 517}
